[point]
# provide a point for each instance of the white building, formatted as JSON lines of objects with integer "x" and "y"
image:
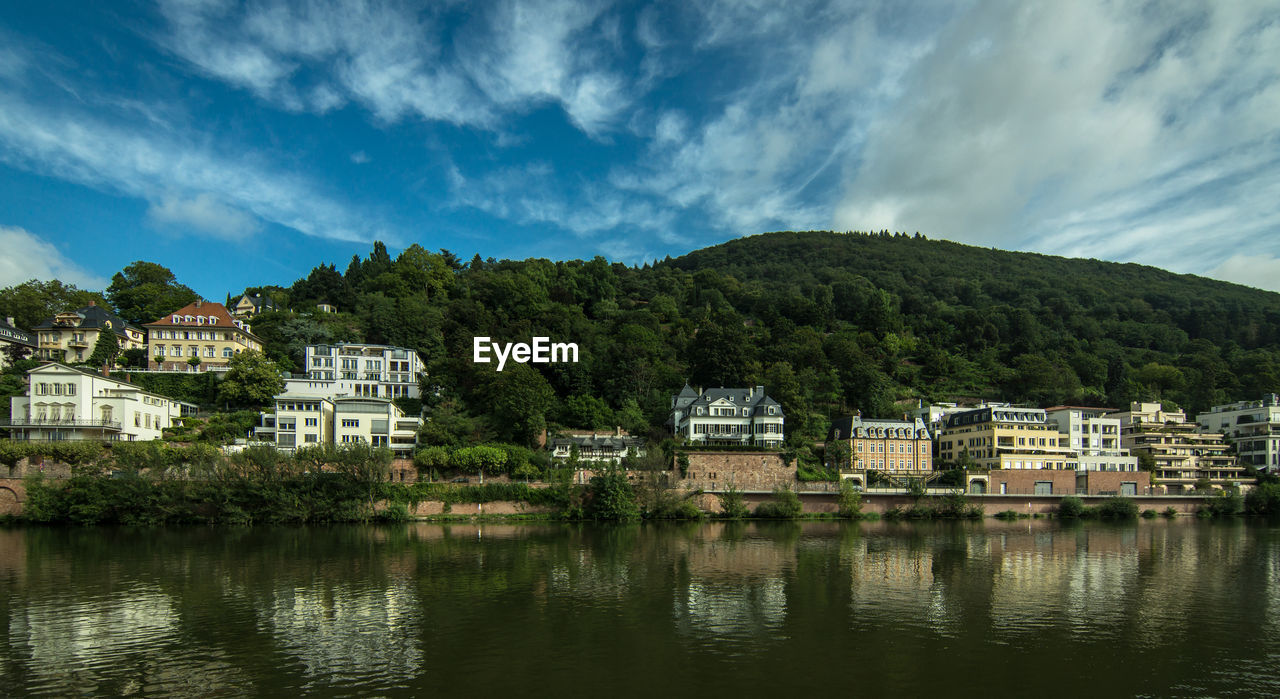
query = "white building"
{"x": 1253, "y": 426}
{"x": 301, "y": 421}
{"x": 727, "y": 416}
{"x": 358, "y": 370}
{"x": 1094, "y": 437}
{"x": 597, "y": 446}
{"x": 65, "y": 403}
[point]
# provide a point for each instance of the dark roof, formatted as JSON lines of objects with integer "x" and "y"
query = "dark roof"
{"x": 603, "y": 441}
{"x": 92, "y": 317}
{"x": 10, "y": 333}
{"x": 754, "y": 398}
{"x": 862, "y": 428}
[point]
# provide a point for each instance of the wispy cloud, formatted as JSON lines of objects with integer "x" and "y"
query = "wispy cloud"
{"x": 1120, "y": 131}
{"x": 399, "y": 61}
{"x": 23, "y": 257}
{"x": 184, "y": 179}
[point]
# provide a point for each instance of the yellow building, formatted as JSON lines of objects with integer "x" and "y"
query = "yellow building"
{"x": 1004, "y": 437}
{"x": 202, "y": 329}
{"x": 71, "y": 336}
{"x": 893, "y": 447}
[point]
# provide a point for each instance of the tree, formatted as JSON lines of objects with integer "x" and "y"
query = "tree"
{"x": 106, "y": 349}
{"x": 145, "y": 291}
{"x": 194, "y": 362}
{"x": 251, "y": 380}
{"x": 34, "y": 301}
{"x": 520, "y": 398}
{"x": 14, "y": 352}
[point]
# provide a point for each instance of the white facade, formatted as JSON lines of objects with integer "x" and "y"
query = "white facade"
{"x": 1094, "y": 438}
{"x": 359, "y": 370}
{"x": 727, "y": 416}
{"x": 64, "y": 403}
{"x": 302, "y": 421}
{"x": 1252, "y": 426}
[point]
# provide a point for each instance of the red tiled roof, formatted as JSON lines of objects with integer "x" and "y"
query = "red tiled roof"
{"x": 207, "y": 309}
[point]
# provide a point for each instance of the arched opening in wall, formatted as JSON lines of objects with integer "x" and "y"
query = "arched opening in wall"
{"x": 9, "y": 504}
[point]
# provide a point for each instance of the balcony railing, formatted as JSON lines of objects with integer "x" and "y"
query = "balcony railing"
{"x": 68, "y": 422}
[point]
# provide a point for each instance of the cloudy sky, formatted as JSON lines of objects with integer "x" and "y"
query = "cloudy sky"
{"x": 244, "y": 143}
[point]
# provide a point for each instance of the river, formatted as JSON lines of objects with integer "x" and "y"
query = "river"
{"x": 1028, "y": 608}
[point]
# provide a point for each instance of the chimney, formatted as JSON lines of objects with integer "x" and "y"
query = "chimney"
{"x": 617, "y": 430}
{"x": 9, "y": 320}
{"x": 106, "y": 370}
{"x": 760, "y": 390}
{"x": 92, "y": 302}
{"x": 199, "y": 303}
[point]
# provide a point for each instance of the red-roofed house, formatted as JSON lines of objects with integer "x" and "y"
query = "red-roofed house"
{"x": 202, "y": 329}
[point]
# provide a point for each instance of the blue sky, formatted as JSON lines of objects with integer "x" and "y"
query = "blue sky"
{"x": 244, "y": 143}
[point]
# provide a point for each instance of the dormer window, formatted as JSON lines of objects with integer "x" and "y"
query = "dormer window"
{"x": 177, "y": 318}
{"x": 189, "y": 319}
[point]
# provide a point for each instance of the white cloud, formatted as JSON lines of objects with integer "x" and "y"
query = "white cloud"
{"x": 23, "y": 257}
{"x": 1120, "y": 131}
{"x": 1259, "y": 271}
{"x": 204, "y": 212}
{"x": 318, "y": 55}
{"x": 530, "y": 195}
{"x": 185, "y": 180}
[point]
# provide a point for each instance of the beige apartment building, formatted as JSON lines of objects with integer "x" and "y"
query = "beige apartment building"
{"x": 303, "y": 421}
{"x": 1004, "y": 437}
{"x": 202, "y": 329}
{"x": 1182, "y": 454}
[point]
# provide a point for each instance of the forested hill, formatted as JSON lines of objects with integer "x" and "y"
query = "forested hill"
{"x": 828, "y": 322}
{"x": 941, "y": 318}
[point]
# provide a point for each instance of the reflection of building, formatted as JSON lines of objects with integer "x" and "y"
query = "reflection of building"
{"x": 1093, "y": 437}
{"x": 300, "y": 421}
{"x": 202, "y": 331}
{"x": 1252, "y": 426}
{"x": 1182, "y": 455}
{"x": 727, "y": 416}
{"x": 890, "y": 446}
{"x": 367, "y": 371}
{"x": 65, "y": 403}
{"x": 71, "y": 337}
{"x": 596, "y": 446}
{"x": 1003, "y": 437}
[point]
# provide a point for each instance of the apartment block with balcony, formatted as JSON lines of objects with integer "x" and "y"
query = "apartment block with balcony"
{"x": 71, "y": 336}
{"x": 203, "y": 330}
{"x": 1182, "y": 454}
{"x": 1004, "y": 437}
{"x": 894, "y": 447}
{"x": 66, "y": 403}
{"x": 1252, "y": 426}
{"x": 727, "y": 417}
{"x": 359, "y": 370}
{"x": 301, "y": 421}
{"x": 1093, "y": 436}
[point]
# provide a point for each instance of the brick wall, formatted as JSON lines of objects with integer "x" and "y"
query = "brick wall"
{"x": 744, "y": 470}
{"x": 1023, "y": 482}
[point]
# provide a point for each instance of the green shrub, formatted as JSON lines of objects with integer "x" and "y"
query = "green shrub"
{"x": 1007, "y": 515}
{"x": 1148, "y": 514}
{"x": 611, "y": 497}
{"x": 1263, "y": 499}
{"x": 1225, "y": 504}
{"x": 849, "y": 501}
{"x": 732, "y": 505}
{"x": 1071, "y": 507}
{"x": 1169, "y": 512}
{"x": 785, "y": 505}
{"x": 1118, "y": 508}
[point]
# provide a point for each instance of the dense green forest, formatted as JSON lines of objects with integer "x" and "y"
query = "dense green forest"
{"x": 828, "y": 322}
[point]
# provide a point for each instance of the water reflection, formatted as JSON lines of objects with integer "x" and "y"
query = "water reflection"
{"x": 680, "y": 609}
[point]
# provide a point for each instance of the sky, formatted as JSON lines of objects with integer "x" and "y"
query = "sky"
{"x": 242, "y": 144}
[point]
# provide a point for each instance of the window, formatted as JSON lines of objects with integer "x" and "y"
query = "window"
{"x": 226, "y": 352}
{"x": 311, "y": 422}
{"x": 350, "y": 423}
{"x": 208, "y": 351}
{"x": 309, "y": 438}
{"x": 42, "y": 389}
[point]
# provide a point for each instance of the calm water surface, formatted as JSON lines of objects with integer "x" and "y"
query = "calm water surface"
{"x": 1030, "y": 608}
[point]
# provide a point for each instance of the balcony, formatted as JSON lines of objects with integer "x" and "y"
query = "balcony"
{"x": 61, "y": 423}
{"x": 81, "y": 344}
